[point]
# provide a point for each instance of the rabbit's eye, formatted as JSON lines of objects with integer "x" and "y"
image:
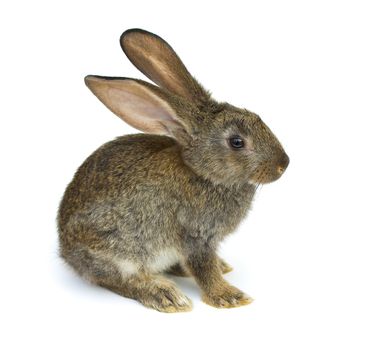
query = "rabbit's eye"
{"x": 236, "y": 142}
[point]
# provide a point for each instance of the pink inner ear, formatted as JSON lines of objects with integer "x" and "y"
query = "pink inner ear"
{"x": 141, "y": 108}
{"x": 136, "y": 104}
{"x": 138, "y": 111}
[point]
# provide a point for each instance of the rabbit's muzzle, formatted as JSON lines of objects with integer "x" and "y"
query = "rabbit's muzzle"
{"x": 271, "y": 170}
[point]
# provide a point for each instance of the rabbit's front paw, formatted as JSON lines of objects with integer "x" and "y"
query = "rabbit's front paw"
{"x": 227, "y": 297}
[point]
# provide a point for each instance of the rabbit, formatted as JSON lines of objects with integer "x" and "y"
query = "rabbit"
{"x": 161, "y": 201}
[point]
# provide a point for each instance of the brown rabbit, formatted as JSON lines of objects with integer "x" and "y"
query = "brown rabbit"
{"x": 162, "y": 201}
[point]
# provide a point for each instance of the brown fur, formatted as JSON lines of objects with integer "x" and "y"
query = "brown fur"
{"x": 145, "y": 204}
{"x": 182, "y": 271}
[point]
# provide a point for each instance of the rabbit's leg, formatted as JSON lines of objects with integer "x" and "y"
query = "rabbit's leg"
{"x": 181, "y": 271}
{"x": 153, "y": 291}
{"x": 127, "y": 279}
{"x": 205, "y": 267}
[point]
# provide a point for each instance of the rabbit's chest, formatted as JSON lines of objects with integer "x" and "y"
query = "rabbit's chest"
{"x": 216, "y": 213}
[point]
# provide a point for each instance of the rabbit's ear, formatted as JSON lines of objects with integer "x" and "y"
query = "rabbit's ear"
{"x": 154, "y": 57}
{"x": 138, "y": 103}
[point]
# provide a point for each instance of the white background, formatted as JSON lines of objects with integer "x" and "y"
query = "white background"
{"x": 303, "y": 251}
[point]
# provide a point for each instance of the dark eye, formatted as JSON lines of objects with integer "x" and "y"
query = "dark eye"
{"x": 236, "y": 142}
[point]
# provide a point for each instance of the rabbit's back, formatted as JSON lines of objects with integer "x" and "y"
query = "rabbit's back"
{"x": 110, "y": 172}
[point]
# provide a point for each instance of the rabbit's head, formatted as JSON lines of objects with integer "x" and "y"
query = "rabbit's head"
{"x": 218, "y": 141}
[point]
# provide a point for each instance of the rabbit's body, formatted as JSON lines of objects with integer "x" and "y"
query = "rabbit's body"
{"x": 106, "y": 198}
{"x": 144, "y": 204}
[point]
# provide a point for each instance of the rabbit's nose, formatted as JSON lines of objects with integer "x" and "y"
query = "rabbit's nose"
{"x": 283, "y": 164}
